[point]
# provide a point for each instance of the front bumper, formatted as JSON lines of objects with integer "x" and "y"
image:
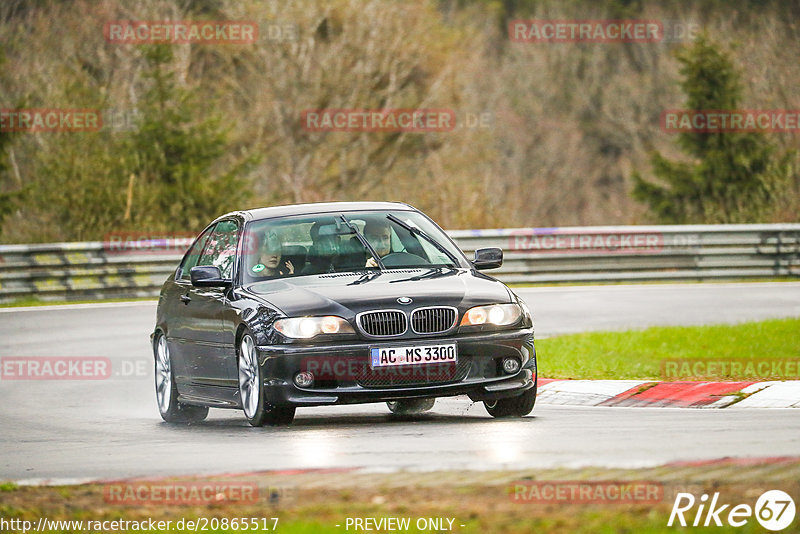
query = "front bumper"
{"x": 343, "y": 375}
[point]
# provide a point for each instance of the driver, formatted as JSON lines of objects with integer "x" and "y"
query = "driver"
{"x": 379, "y": 235}
{"x": 269, "y": 261}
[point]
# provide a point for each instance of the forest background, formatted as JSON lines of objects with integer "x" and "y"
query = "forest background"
{"x": 548, "y": 134}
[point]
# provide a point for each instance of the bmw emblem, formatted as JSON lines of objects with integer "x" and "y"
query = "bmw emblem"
{"x": 405, "y": 300}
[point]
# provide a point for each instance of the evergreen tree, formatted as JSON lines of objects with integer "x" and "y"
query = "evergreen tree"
{"x": 175, "y": 153}
{"x": 171, "y": 171}
{"x": 731, "y": 177}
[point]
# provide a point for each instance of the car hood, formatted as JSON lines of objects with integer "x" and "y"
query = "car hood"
{"x": 346, "y": 294}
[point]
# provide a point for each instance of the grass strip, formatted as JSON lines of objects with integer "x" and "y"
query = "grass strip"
{"x": 481, "y": 501}
{"x": 638, "y": 354}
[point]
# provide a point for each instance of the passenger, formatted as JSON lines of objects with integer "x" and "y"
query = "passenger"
{"x": 379, "y": 235}
{"x": 269, "y": 264}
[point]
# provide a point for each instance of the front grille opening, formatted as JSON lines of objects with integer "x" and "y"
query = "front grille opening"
{"x": 414, "y": 375}
{"x": 433, "y": 320}
{"x": 383, "y": 323}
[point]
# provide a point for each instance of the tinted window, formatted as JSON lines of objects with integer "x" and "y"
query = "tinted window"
{"x": 220, "y": 249}
{"x": 193, "y": 255}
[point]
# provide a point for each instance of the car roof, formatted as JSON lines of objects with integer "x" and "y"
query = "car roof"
{"x": 317, "y": 207}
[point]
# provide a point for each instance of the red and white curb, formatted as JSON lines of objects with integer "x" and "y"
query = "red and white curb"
{"x": 669, "y": 394}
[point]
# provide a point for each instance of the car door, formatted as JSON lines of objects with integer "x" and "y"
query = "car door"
{"x": 206, "y": 362}
{"x": 176, "y": 298}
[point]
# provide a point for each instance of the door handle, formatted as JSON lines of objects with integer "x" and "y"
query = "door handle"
{"x": 186, "y": 299}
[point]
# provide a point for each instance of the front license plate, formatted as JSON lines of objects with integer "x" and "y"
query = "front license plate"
{"x": 413, "y": 355}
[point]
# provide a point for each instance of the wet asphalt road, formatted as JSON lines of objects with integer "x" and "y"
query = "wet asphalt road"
{"x": 110, "y": 428}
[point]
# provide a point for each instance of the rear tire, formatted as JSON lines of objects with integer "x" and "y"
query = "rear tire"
{"x": 410, "y": 406}
{"x": 514, "y": 407}
{"x": 170, "y": 409}
{"x": 251, "y": 389}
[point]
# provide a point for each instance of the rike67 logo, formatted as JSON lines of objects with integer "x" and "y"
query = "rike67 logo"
{"x": 774, "y": 510}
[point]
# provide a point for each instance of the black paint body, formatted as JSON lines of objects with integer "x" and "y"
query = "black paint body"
{"x": 203, "y": 326}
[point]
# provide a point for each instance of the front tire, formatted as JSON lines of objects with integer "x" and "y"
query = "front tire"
{"x": 251, "y": 389}
{"x": 410, "y": 406}
{"x": 170, "y": 409}
{"x": 514, "y": 407}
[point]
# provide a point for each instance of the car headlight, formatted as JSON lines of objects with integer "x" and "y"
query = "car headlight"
{"x": 496, "y": 314}
{"x": 308, "y": 327}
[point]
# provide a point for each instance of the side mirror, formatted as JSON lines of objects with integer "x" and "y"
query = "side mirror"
{"x": 207, "y": 276}
{"x": 488, "y": 258}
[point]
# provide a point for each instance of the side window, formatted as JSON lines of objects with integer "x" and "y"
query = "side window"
{"x": 220, "y": 250}
{"x": 193, "y": 256}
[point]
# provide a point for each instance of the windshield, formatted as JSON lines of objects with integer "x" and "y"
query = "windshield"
{"x": 339, "y": 242}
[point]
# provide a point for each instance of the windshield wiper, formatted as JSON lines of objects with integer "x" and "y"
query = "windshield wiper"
{"x": 364, "y": 242}
{"x": 435, "y": 272}
{"x": 366, "y": 277}
{"x": 416, "y": 231}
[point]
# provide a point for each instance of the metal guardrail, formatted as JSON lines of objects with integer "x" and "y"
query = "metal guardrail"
{"x": 641, "y": 253}
{"x": 69, "y": 271}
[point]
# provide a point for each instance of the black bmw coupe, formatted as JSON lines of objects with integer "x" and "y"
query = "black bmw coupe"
{"x": 350, "y": 302}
